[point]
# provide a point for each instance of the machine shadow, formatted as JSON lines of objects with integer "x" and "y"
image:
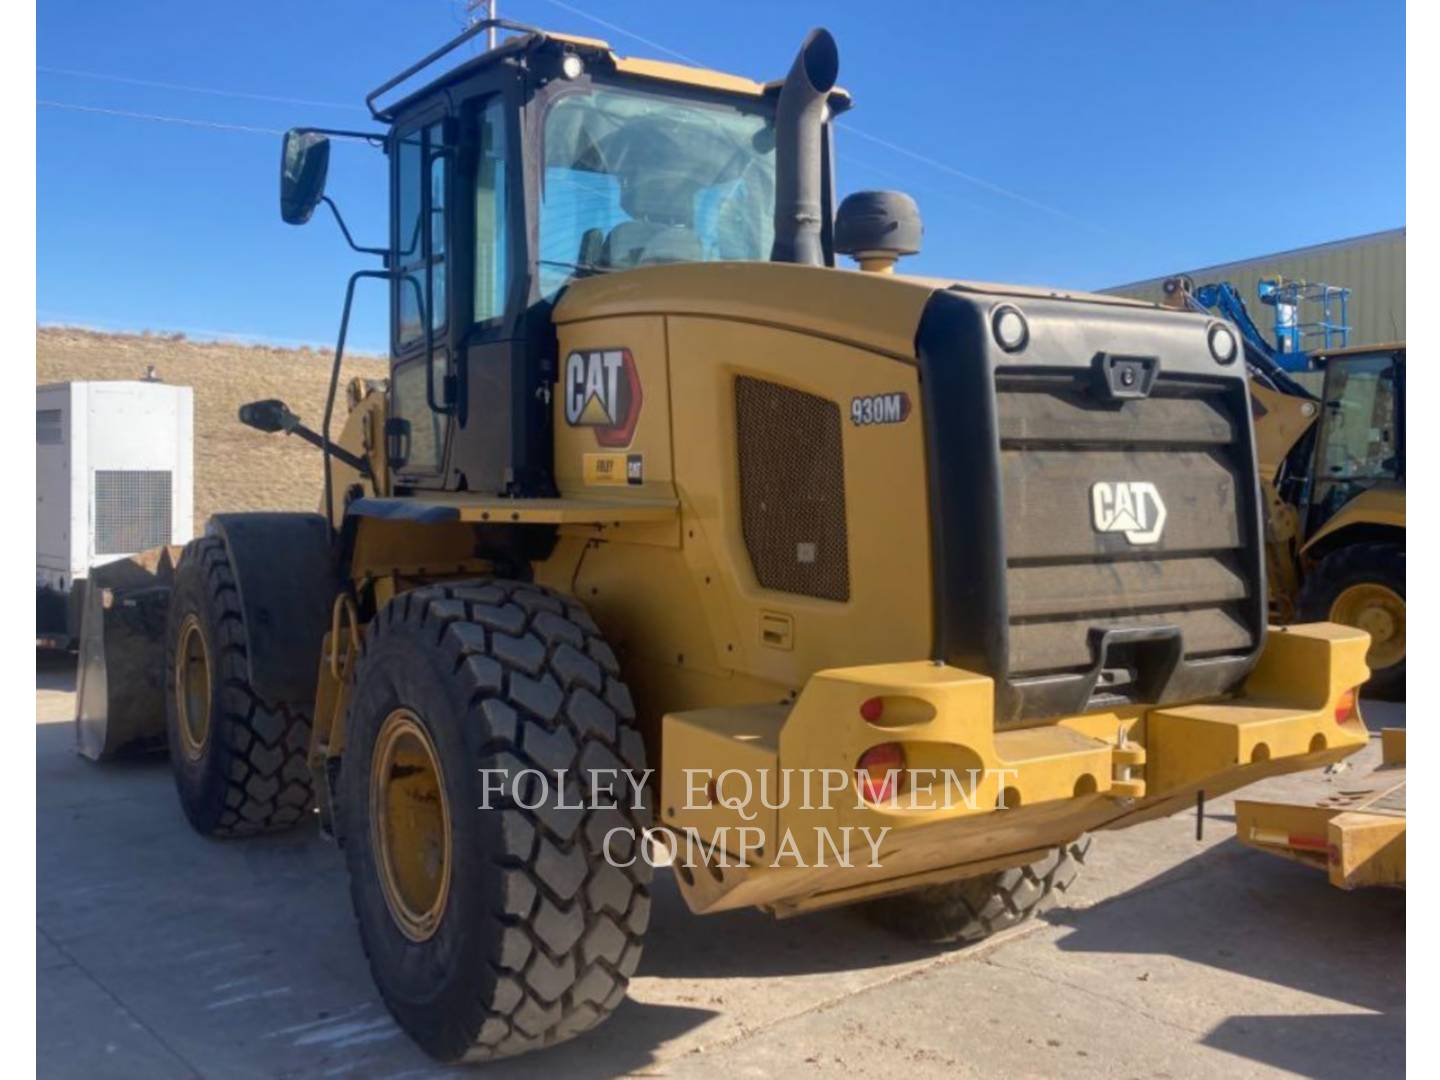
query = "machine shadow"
{"x": 1281, "y": 924}
{"x": 752, "y": 944}
{"x": 54, "y": 670}
{"x": 622, "y": 1046}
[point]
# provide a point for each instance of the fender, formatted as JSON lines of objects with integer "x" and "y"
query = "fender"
{"x": 285, "y": 573}
{"x": 1380, "y": 506}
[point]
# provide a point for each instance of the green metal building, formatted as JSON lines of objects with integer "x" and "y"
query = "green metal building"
{"x": 1372, "y": 267}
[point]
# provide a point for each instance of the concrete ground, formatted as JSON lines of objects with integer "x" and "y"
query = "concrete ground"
{"x": 162, "y": 954}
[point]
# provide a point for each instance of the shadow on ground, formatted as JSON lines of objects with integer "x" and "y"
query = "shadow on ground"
{"x": 1280, "y": 924}
{"x": 54, "y": 670}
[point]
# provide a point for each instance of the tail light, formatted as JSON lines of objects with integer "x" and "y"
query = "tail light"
{"x": 878, "y": 772}
{"x": 1346, "y": 708}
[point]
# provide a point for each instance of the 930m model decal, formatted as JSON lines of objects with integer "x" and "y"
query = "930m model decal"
{"x": 880, "y": 409}
{"x": 602, "y": 390}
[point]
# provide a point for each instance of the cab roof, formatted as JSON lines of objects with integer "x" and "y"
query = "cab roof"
{"x": 1357, "y": 350}
{"x": 529, "y": 39}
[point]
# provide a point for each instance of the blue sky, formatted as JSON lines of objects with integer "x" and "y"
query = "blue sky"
{"x": 1080, "y": 144}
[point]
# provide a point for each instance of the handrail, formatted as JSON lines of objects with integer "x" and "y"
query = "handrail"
{"x": 384, "y": 115}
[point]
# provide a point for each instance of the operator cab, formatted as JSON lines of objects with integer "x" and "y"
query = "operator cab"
{"x": 541, "y": 161}
{"x": 1361, "y": 429}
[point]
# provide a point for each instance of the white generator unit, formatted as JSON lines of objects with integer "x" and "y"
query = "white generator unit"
{"x": 114, "y": 476}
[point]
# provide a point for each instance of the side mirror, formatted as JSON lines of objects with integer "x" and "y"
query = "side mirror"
{"x": 304, "y": 163}
{"x": 268, "y": 416}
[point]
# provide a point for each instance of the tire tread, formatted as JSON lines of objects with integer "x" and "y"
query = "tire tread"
{"x": 522, "y": 655}
{"x": 964, "y": 912}
{"x": 268, "y": 785}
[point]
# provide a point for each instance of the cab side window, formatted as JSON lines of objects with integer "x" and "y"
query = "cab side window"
{"x": 492, "y": 235}
{"x": 420, "y": 235}
{"x": 420, "y": 262}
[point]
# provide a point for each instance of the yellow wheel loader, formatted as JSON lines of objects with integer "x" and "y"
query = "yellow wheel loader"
{"x": 1332, "y": 472}
{"x": 670, "y": 542}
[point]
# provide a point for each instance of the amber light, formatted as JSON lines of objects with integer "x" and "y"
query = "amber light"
{"x": 878, "y": 771}
{"x": 1345, "y": 709}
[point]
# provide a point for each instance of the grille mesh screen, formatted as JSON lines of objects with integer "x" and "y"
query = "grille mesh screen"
{"x": 132, "y": 510}
{"x": 792, "y": 489}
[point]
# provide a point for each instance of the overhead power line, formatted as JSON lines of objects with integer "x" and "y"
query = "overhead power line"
{"x": 628, "y": 33}
{"x": 924, "y": 159}
{"x": 183, "y": 88}
{"x": 159, "y": 118}
{"x": 962, "y": 175}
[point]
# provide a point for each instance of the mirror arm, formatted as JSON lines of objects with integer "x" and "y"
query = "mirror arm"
{"x": 355, "y": 461}
{"x": 382, "y": 252}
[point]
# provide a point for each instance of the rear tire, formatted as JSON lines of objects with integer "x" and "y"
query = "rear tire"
{"x": 1356, "y": 569}
{"x": 967, "y": 911}
{"x": 518, "y": 933}
{"x": 240, "y": 763}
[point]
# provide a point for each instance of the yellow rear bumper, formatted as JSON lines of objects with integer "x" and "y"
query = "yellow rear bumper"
{"x": 763, "y": 807}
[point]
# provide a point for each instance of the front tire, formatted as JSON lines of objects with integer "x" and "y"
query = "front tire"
{"x": 964, "y": 912}
{"x": 1363, "y": 585}
{"x": 491, "y": 929}
{"x": 240, "y": 763}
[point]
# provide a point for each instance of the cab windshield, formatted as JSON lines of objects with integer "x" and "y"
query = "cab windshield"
{"x": 638, "y": 179}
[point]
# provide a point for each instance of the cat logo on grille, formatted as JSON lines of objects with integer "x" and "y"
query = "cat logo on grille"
{"x": 602, "y": 390}
{"x": 1132, "y": 507}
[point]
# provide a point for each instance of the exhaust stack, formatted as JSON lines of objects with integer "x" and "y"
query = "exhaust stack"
{"x": 799, "y": 120}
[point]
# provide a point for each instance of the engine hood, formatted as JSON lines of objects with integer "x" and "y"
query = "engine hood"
{"x": 874, "y": 311}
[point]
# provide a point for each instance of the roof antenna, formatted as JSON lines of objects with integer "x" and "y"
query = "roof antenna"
{"x": 484, "y": 9}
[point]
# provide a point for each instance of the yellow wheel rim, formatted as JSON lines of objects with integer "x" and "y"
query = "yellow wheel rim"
{"x": 1380, "y": 612}
{"x": 410, "y": 825}
{"x": 192, "y": 687}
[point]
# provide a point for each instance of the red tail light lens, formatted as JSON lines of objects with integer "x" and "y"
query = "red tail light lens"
{"x": 879, "y": 770}
{"x": 1345, "y": 708}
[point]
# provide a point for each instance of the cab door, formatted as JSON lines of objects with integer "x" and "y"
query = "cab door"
{"x": 1361, "y": 443}
{"x": 421, "y": 383}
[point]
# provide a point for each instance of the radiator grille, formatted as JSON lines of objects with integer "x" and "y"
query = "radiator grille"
{"x": 792, "y": 489}
{"x": 1066, "y": 581}
{"x": 132, "y": 510}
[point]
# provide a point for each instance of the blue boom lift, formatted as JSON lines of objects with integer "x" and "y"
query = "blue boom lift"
{"x": 1295, "y": 335}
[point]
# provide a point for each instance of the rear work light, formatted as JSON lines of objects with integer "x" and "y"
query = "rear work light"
{"x": 1346, "y": 708}
{"x": 879, "y": 770}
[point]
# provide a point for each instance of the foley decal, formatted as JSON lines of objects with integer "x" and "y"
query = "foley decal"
{"x": 614, "y": 470}
{"x": 602, "y": 391}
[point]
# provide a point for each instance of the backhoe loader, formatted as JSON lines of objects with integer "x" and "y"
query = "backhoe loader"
{"x": 1332, "y": 472}
{"x": 1330, "y": 445}
{"x": 671, "y": 542}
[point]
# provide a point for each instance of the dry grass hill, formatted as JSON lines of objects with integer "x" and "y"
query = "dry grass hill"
{"x": 235, "y": 468}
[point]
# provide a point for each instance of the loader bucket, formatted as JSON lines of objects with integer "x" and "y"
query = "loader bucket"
{"x": 120, "y": 702}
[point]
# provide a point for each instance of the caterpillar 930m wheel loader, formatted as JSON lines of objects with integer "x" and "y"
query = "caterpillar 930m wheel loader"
{"x": 670, "y": 540}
